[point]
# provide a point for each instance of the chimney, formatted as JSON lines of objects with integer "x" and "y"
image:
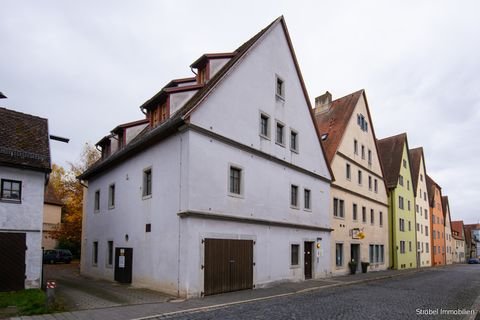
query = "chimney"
{"x": 323, "y": 102}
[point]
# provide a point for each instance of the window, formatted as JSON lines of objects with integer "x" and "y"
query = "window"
{"x": 372, "y": 253}
{"x": 96, "y": 204}
{"x": 293, "y": 141}
{"x": 355, "y": 146}
{"x": 418, "y": 227}
{"x": 404, "y": 163}
{"x": 401, "y": 224}
{"x": 264, "y": 125}
{"x": 409, "y": 226}
{"x": 111, "y": 196}
{"x": 382, "y": 251}
{"x": 426, "y": 230}
{"x": 424, "y": 196}
{"x": 417, "y": 208}
{"x": 400, "y": 202}
{"x": 95, "y": 253}
{"x": 279, "y": 134}
{"x": 339, "y": 254}
{"x": 380, "y": 218}
{"x": 294, "y": 251}
{"x": 338, "y": 208}
{"x": 408, "y": 205}
{"x": 364, "y": 214}
{"x": 372, "y": 216}
{"x": 294, "y": 196}
{"x": 280, "y": 88}
{"x": 408, "y": 184}
{"x": 11, "y": 190}
{"x": 363, "y": 151}
{"x": 427, "y": 247}
{"x": 410, "y": 246}
{"x": 369, "y": 157}
{"x": 306, "y": 199}
{"x": 348, "y": 171}
{"x": 421, "y": 178}
{"x": 400, "y": 180}
{"x": 235, "y": 185}
{"x": 426, "y": 214}
{"x": 402, "y": 246}
{"x": 148, "y": 227}
{"x": 147, "y": 182}
{"x": 110, "y": 253}
{"x": 362, "y": 122}
{"x": 359, "y": 177}
{"x": 369, "y": 183}
{"x": 434, "y": 234}
{"x": 375, "y": 186}
{"x": 354, "y": 213}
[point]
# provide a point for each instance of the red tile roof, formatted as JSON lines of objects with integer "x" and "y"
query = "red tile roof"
{"x": 24, "y": 141}
{"x": 431, "y": 186}
{"x": 457, "y": 226}
{"x": 391, "y": 152}
{"x": 334, "y": 121}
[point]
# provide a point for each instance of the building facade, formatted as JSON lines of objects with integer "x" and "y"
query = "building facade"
{"x": 401, "y": 198}
{"x": 227, "y": 186}
{"x": 358, "y": 206}
{"x": 437, "y": 223}
{"x": 421, "y": 207}
{"x": 458, "y": 236}
{"x": 449, "y": 241}
{"x": 24, "y": 169}
{"x": 52, "y": 218}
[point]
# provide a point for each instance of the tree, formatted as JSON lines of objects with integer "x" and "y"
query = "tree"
{"x": 70, "y": 191}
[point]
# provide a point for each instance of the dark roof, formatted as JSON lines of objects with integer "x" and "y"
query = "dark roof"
{"x": 334, "y": 122}
{"x": 431, "y": 186}
{"x": 416, "y": 156}
{"x": 445, "y": 206}
{"x": 391, "y": 151}
{"x": 51, "y": 197}
{"x": 203, "y": 58}
{"x": 457, "y": 226}
{"x": 150, "y": 135}
{"x": 24, "y": 141}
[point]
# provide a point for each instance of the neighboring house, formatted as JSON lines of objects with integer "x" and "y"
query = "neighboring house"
{"x": 419, "y": 174}
{"x": 24, "y": 169}
{"x": 449, "y": 242}
{"x": 52, "y": 217}
{"x": 458, "y": 236}
{"x": 437, "y": 223}
{"x": 359, "y": 202}
{"x": 401, "y": 198}
{"x": 226, "y": 188}
{"x": 474, "y": 231}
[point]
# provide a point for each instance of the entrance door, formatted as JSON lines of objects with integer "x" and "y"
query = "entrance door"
{"x": 307, "y": 259}
{"x": 12, "y": 261}
{"x": 228, "y": 265}
{"x": 355, "y": 254}
{"x": 123, "y": 265}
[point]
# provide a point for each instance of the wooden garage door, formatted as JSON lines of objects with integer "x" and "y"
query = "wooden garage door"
{"x": 228, "y": 265}
{"x": 12, "y": 261}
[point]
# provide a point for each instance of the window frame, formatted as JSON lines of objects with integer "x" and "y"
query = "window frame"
{"x": 96, "y": 201}
{"x": 339, "y": 259}
{"x": 111, "y": 196}
{"x": 294, "y": 204}
{"x": 280, "y": 94}
{"x": 348, "y": 171}
{"x": 294, "y": 133}
{"x": 292, "y": 257}
{"x": 109, "y": 261}
{"x": 263, "y": 116}
{"x": 95, "y": 253}
{"x": 11, "y": 182}
{"x": 147, "y": 183}
{"x": 279, "y": 124}
{"x": 241, "y": 182}
{"x": 307, "y": 205}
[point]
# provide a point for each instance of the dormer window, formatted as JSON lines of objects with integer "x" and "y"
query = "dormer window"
{"x": 160, "y": 113}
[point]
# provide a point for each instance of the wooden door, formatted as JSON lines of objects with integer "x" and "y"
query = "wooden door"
{"x": 123, "y": 265}
{"x": 12, "y": 261}
{"x": 307, "y": 259}
{"x": 228, "y": 265}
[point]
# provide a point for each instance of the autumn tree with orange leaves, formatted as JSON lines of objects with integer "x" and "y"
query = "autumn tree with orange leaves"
{"x": 69, "y": 190}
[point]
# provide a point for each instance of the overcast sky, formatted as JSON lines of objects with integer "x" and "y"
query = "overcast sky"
{"x": 88, "y": 66}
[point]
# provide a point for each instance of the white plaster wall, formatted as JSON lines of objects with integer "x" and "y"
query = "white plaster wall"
{"x": 216, "y": 65}
{"x": 132, "y": 132}
{"x": 423, "y": 221}
{"x": 178, "y": 100}
{"x": 448, "y": 239}
{"x": 271, "y": 252}
{"x": 233, "y": 108}
{"x": 155, "y": 254}
{"x": 26, "y": 217}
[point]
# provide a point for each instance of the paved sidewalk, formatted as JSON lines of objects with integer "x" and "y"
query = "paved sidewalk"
{"x": 151, "y": 310}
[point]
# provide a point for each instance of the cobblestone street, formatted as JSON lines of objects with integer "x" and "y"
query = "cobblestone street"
{"x": 398, "y": 298}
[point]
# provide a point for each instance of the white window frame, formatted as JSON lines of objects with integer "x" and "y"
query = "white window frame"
{"x": 242, "y": 181}
{"x": 266, "y": 116}
{"x": 279, "y": 95}
{"x": 305, "y": 191}
{"x": 296, "y": 204}
{"x": 96, "y": 201}
{"x": 146, "y": 195}
{"x": 294, "y": 132}
{"x": 111, "y": 196}
{"x": 282, "y": 143}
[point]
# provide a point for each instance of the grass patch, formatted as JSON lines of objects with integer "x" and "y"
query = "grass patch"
{"x": 27, "y": 302}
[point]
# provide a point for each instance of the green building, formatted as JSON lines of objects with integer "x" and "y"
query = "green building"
{"x": 396, "y": 164}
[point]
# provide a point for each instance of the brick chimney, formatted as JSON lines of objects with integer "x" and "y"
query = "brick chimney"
{"x": 323, "y": 102}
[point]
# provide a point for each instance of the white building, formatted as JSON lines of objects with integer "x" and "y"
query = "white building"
{"x": 24, "y": 169}
{"x": 227, "y": 186}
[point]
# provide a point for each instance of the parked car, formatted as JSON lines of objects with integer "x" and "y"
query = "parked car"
{"x": 57, "y": 255}
{"x": 473, "y": 261}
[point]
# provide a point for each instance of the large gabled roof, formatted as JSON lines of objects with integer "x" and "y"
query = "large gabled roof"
{"x": 431, "y": 185}
{"x": 150, "y": 136}
{"x": 24, "y": 141}
{"x": 446, "y": 208}
{"x": 391, "y": 151}
{"x": 416, "y": 156}
{"x": 457, "y": 226}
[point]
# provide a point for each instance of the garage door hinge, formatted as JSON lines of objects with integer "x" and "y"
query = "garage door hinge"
{"x": 202, "y": 267}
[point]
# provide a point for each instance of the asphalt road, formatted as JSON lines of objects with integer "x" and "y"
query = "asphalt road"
{"x": 423, "y": 295}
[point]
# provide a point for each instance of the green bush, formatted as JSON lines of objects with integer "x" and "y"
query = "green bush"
{"x": 28, "y": 302}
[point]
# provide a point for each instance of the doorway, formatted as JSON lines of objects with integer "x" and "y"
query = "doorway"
{"x": 355, "y": 254}
{"x": 307, "y": 259}
{"x": 123, "y": 265}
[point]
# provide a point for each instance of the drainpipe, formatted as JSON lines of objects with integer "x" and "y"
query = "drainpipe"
{"x": 394, "y": 247}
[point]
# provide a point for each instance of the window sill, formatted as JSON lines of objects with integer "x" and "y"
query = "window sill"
{"x": 11, "y": 201}
{"x": 111, "y": 208}
{"x": 339, "y": 218}
{"x": 294, "y": 150}
{"x": 280, "y": 144}
{"x": 294, "y": 207}
{"x": 96, "y": 211}
{"x": 307, "y": 210}
{"x": 296, "y": 266}
{"x": 279, "y": 97}
{"x": 264, "y": 137}
{"x": 147, "y": 197}
{"x": 235, "y": 195}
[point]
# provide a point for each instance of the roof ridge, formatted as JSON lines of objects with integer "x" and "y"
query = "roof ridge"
{"x": 23, "y": 113}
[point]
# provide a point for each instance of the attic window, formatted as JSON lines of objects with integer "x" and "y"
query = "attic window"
{"x": 362, "y": 122}
{"x": 279, "y": 88}
{"x": 324, "y": 136}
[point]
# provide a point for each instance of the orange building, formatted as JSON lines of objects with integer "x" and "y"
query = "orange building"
{"x": 437, "y": 225}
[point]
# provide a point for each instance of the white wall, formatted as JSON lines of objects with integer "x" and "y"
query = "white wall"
{"x": 26, "y": 217}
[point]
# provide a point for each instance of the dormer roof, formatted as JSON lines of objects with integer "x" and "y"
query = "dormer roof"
{"x": 209, "y": 56}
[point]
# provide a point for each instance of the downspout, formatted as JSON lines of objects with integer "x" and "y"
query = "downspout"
{"x": 393, "y": 247}
{"x": 178, "y": 217}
